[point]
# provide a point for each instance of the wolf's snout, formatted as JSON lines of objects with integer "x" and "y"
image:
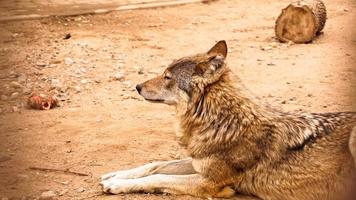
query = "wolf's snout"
{"x": 139, "y": 88}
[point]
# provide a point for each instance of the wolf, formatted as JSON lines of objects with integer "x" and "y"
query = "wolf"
{"x": 236, "y": 145}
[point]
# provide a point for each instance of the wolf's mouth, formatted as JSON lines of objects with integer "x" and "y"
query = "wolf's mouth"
{"x": 155, "y": 100}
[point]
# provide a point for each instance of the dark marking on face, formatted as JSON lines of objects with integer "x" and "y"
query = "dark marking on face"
{"x": 182, "y": 72}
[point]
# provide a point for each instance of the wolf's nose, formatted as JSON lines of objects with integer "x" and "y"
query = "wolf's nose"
{"x": 139, "y": 88}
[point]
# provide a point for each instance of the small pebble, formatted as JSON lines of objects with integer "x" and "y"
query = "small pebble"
{"x": 68, "y": 61}
{"x": 118, "y": 76}
{"x": 15, "y": 109}
{"x": 80, "y": 190}
{"x": 63, "y": 192}
{"x": 140, "y": 71}
{"x": 77, "y": 88}
{"x": 48, "y": 195}
{"x": 41, "y": 64}
{"x": 14, "y": 95}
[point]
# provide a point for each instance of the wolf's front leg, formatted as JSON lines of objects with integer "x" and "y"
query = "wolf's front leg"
{"x": 193, "y": 184}
{"x": 177, "y": 167}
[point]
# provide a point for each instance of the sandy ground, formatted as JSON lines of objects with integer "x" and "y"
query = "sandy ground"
{"x": 13, "y": 8}
{"x": 103, "y": 125}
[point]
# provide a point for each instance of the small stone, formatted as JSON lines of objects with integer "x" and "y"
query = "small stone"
{"x": 41, "y": 64}
{"x": 13, "y": 74}
{"x": 140, "y": 71}
{"x": 22, "y": 176}
{"x": 26, "y": 91}
{"x": 15, "y": 84}
{"x": 48, "y": 195}
{"x": 67, "y": 36}
{"x": 127, "y": 84}
{"x": 290, "y": 43}
{"x": 15, "y": 109}
{"x": 310, "y": 95}
{"x": 293, "y": 99}
{"x": 82, "y": 69}
{"x": 22, "y": 78}
{"x": 118, "y": 76}
{"x": 83, "y": 81}
{"x": 80, "y": 190}
{"x": 125, "y": 96}
{"x": 271, "y": 64}
{"x": 56, "y": 83}
{"x": 14, "y": 95}
{"x": 63, "y": 192}
{"x": 266, "y": 48}
{"x": 273, "y": 44}
{"x": 68, "y": 61}
{"x": 283, "y": 102}
{"x": 77, "y": 89}
{"x": 136, "y": 98}
{"x": 65, "y": 182}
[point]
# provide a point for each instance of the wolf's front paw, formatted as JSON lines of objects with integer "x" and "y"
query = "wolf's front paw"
{"x": 116, "y": 186}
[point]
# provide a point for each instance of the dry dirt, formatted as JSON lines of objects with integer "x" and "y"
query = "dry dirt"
{"x": 103, "y": 125}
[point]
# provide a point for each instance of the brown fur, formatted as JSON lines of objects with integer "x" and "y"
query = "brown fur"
{"x": 235, "y": 143}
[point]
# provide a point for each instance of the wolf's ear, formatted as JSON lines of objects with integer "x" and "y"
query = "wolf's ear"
{"x": 219, "y": 48}
{"x": 210, "y": 66}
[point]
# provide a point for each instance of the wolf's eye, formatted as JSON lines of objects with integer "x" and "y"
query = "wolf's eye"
{"x": 167, "y": 77}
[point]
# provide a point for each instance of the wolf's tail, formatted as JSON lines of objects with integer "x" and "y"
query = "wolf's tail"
{"x": 352, "y": 144}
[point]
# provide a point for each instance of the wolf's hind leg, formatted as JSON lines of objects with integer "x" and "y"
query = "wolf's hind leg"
{"x": 176, "y": 167}
{"x": 193, "y": 184}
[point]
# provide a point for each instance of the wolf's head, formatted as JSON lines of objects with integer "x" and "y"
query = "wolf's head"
{"x": 186, "y": 76}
